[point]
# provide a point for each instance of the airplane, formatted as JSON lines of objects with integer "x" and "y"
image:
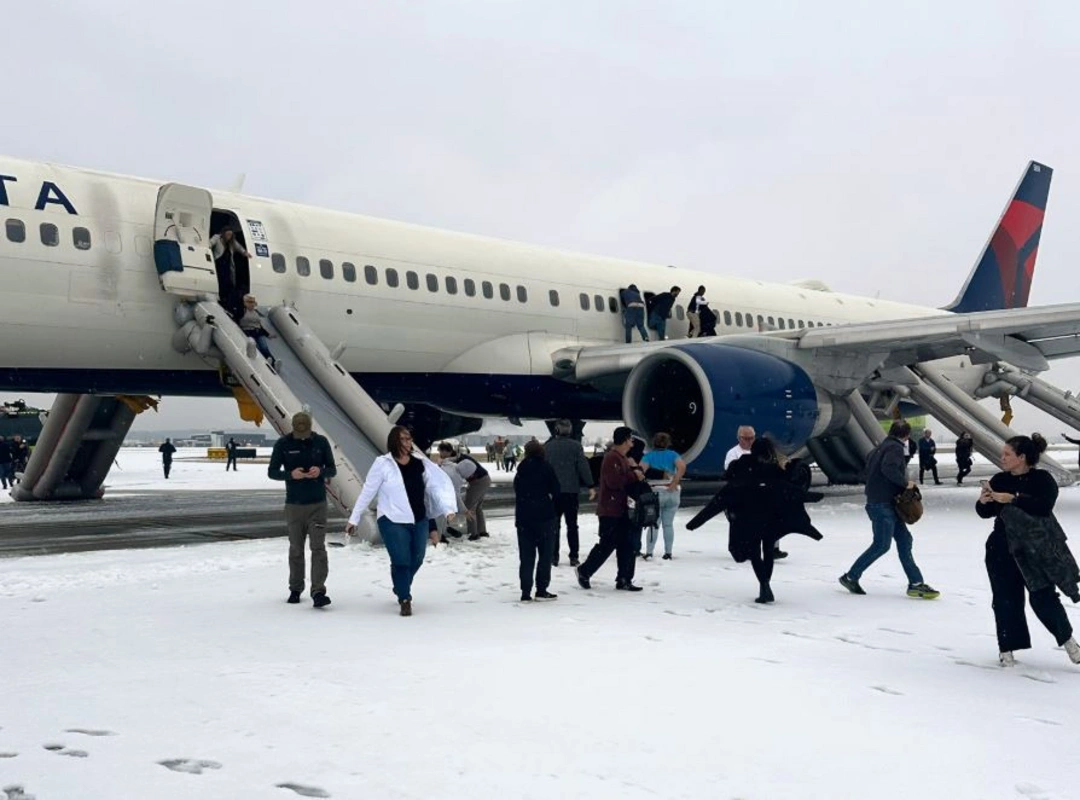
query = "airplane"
{"x": 452, "y": 327}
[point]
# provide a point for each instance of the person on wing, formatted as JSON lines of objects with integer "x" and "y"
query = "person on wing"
{"x": 928, "y": 456}
{"x": 886, "y": 477}
{"x": 763, "y": 504}
{"x": 251, "y": 323}
{"x": 633, "y": 313}
{"x": 567, "y": 457}
{"x": 410, "y": 490}
{"x": 304, "y": 460}
{"x": 693, "y": 311}
{"x": 964, "y": 461}
{"x": 1020, "y": 499}
{"x": 616, "y": 475}
{"x": 664, "y": 470}
{"x": 660, "y": 312}
{"x": 167, "y": 450}
{"x": 536, "y": 490}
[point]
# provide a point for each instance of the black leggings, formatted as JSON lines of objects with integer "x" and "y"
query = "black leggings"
{"x": 762, "y": 561}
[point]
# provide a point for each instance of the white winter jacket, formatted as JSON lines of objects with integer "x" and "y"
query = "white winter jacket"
{"x": 385, "y": 482}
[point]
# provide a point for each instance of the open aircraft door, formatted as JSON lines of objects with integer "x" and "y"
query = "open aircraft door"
{"x": 182, "y": 253}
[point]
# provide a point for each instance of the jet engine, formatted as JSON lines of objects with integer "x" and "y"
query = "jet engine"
{"x": 702, "y": 394}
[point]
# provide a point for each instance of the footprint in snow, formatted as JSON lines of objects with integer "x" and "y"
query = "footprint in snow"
{"x": 63, "y": 750}
{"x": 90, "y": 731}
{"x": 16, "y": 792}
{"x": 9, "y": 755}
{"x": 304, "y": 791}
{"x": 1040, "y": 720}
{"x": 1032, "y": 791}
{"x": 192, "y": 766}
{"x": 887, "y": 690}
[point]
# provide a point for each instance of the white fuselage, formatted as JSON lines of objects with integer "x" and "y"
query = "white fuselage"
{"x": 103, "y": 309}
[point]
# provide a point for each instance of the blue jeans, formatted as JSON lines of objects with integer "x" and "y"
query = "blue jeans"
{"x": 669, "y": 504}
{"x": 887, "y": 526}
{"x": 658, "y": 324}
{"x": 407, "y": 546}
{"x": 635, "y": 318}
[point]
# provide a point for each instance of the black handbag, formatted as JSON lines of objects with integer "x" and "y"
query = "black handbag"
{"x": 909, "y": 505}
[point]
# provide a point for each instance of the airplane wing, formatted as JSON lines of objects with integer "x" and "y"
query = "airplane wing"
{"x": 1027, "y": 338}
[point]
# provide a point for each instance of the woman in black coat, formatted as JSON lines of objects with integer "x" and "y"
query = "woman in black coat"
{"x": 536, "y": 489}
{"x": 1033, "y": 491}
{"x": 763, "y": 506}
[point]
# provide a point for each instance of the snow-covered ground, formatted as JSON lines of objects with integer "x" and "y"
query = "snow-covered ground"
{"x": 182, "y": 673}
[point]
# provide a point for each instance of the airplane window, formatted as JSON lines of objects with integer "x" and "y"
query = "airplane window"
{"x": 113, "y": 242}
{"x": 489, "y": 290}
{"x": 802, "y": 324}
{"x": 772, "y": 322}
{"x": 598, "y": 301}
{"x": 553, "y": 296}
{"x": 432, "y": 283}
{"x": 470, "y": 287}
{"x": 303, "y": 266}
{"x": 80, "y": 237}
{"x": 348, "y": 272}
{"x": 790, "y": 322}
{"x": 523, "y": 294}
{"x": 50, "y": 234}
{"x": 412, "y": 280}
{"x": 142, "y": 245}
{"x": 584, "y": 301}
{"x": 326, "y": 268}
{"x": 782, "y": 323}
{"x": 451, "y": 285}
{"x": 760, "y": 322}
{"x": 738, "y": 318}
{"x": 392, "y": 278}
{"x": 504, "y": 291}
{"x": 727, "y": 317}
{"x": 16, "y": 231}
{"x": 612, "y": 305}
{"x": 277, "y": 261}
{"x": 679, "y": 313}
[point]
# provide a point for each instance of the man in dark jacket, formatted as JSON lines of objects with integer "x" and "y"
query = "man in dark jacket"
{"x": 886, "y": 477}
{"x": 304, "y": 460}
{"x": 964, "y": 446}
{"x": 927, "y": 456}
{"x": 6, "y": 472}
{"x": 535, "y": 491}
{"x": 616, "y": 476}
{"x": 230, "y": 454}
{"x": 567, "y": 457}
{"x": 660, "y": 312}
{"x": 167, "y": 449}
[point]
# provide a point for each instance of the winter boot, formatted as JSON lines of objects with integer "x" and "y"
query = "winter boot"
{"x": 320, "y": 600}
{"x": 294, "y": 597}
{"x": 1007, "y": 659}
{"x": 766, "y": 595}
{"x": 406, "y": 607}
{"x": 1073, "y": 649}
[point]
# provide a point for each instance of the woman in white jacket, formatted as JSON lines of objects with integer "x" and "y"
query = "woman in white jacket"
{"x": 410, "y": 490}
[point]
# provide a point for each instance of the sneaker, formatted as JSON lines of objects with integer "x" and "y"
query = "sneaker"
{"x": 626, "y": 586}
{"x": 406, "y": 607}
{"x": 582, "y": 580}
{"x": 320, "y": 600}
{"x": 667, "y": 556}
{"x": 777, "y": 553}
{"x": 294, "y": 597}
{"x": 1007, "y": 659}
{"x": 1073, "y": 649}
{"x": 922, "y": 591}
{"x": 527, "y": 598}
{"x": 546, "y": 595}
{"x": 851, "y": 584}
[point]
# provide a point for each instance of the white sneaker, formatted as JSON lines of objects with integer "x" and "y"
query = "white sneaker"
{"x": 1007, "y": 659}
{"x": 1073, "y": 649}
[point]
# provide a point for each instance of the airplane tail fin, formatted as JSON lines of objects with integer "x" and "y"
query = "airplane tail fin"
{"x": 1002, "y": 275}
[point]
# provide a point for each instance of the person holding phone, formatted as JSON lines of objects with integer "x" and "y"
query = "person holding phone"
{"x": 1035, "y": 492}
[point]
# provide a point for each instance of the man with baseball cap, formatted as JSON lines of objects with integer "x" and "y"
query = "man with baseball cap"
{"x": 304, "y": 460}
{"x": 616, "y": 474}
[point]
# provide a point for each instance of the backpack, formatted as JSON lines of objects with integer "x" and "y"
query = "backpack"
{"x": 646, "y": 511}
{"x": 909, "y": 505}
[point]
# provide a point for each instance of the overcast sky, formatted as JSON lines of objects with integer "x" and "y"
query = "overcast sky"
{"x": 870, "y": 146}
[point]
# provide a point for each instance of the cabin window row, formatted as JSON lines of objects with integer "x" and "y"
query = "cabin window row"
{"x": 15, "y": 230}
{"x": 738, "y": 319}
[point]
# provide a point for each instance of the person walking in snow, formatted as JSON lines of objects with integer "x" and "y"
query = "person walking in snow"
{"x": 1026, "y": 550}
{"x": 410, "y": 490}
{"x": 964, "y": 446}
{"x": 536, "y": 490}
{"x": 167, "y": 449}
{"x": 305, "y": 461}
{"x": 928, "y": 456}
{"x": 669, "y": 468}
{"x": 567, "y": 457}
{"x": 886, "y": 478}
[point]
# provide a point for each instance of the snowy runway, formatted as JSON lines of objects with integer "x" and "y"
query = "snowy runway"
{"x": 181, "y": 673}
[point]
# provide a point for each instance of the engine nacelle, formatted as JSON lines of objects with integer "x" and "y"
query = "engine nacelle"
{"x": 701, "y": 395}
